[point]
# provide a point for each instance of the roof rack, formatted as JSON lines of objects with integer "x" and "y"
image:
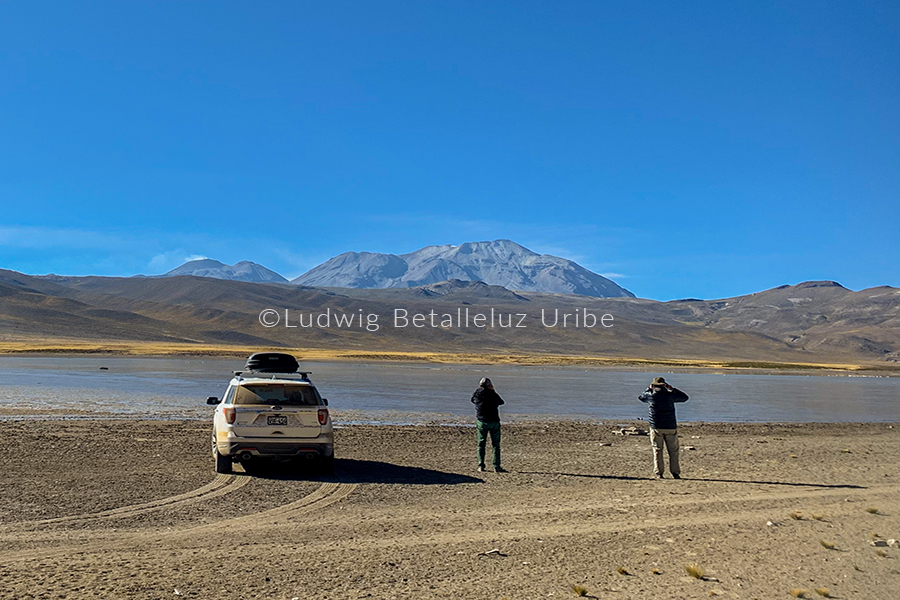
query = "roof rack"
{"x": 304, "y": 375}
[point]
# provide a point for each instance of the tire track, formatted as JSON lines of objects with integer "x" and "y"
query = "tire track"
{"x": 221, "y": 485}
{"x": 334, "y": 491}
{"x": 326, "y": 494}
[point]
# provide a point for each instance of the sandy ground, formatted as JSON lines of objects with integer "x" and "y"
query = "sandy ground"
{"x": 132, "y": 509}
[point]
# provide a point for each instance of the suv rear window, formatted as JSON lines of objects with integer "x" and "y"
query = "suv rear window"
{"x": 290, "y": 395}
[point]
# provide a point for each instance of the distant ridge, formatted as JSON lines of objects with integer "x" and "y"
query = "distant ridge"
{"x": 242, "y": 271}
{"x": 500, "y": 263}
{"x": 807, "y": 322}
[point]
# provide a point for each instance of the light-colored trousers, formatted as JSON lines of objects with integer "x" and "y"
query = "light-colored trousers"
{"x": 669, "y": 439}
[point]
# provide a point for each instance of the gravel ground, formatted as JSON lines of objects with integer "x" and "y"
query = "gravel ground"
{"x": 133, "y": 509}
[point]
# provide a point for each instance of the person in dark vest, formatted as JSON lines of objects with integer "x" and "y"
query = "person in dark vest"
{"x": 487, "y": 422}
{"x": 663, "y": 427}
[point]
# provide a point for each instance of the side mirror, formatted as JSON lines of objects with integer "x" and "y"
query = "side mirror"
{"x": 212, "y": 400}
{"x": 325, "y": 401}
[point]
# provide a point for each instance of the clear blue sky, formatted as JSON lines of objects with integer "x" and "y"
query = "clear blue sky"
{"x": 696, "y": 149}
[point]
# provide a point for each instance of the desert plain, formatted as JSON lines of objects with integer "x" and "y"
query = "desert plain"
{"x": 97, "y": 508}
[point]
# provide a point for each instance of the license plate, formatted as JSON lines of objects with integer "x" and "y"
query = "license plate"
{"x": 277, "y": 420}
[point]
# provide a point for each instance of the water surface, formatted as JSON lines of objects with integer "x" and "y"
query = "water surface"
{"x": 419, "y": 393}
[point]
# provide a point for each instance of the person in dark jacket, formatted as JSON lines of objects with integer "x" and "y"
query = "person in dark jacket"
{"x": 663, "y": 427}
{"x": 487, "y": 422}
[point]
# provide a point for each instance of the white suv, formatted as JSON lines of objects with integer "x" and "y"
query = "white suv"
{"x": 272, "y": 411}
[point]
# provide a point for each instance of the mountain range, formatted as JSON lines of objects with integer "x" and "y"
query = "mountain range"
{"x": 500, "y": 262}
{"x": 812, "y": 322}
{"x": 241, "y": 271}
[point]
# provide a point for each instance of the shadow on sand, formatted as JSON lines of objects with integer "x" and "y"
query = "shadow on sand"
{"x": 845, "y": 486}
{"x": 632, "y": 478}
{"x": 360, "y": 471}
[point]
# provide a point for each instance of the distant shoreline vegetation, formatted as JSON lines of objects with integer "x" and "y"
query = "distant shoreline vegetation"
{"x": 461, "y": 318}
{"x": 115, "y": 348}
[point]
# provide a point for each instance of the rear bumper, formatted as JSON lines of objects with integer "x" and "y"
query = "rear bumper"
{"x": 321, "y": 446}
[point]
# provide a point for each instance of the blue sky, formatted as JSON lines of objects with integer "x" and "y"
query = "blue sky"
{"x": 700, "y": 149}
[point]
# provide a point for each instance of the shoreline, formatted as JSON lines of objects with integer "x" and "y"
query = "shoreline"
{"x": 396, "y": 419}
{"x": 149, "y": 350}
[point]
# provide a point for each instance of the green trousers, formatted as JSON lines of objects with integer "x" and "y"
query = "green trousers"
{"x": 483, "y": 428}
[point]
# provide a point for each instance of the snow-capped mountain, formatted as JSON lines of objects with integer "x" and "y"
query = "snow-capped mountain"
{"x": 500, "y": 262}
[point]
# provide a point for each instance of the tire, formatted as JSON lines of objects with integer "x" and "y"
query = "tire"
{"x": 223, "y": 463}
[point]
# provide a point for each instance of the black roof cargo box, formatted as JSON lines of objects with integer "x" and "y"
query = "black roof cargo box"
{"x": 272, "y": 362}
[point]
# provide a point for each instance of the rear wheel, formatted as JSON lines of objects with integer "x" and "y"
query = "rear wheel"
{"x": 223, "y": 463}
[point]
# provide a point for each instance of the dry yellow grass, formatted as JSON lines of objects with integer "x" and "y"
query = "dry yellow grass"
{"x": 818, "y": 516}
{"x": 824, "y": 592}
{"x": 828, "y": 545}
{"x": 797, "y": 515}
{"x": 579, "y": 590}
{"x": 695, "y": 571}
{"x": 622, "y": 571}
{"x": 133, "y": 348}
{"x": 798, "y": 592}
{"x": 881, "y": 552}
{"x": 872, "y": 510}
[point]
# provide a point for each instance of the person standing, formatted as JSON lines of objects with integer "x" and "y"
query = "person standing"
{"x": 663, "y": 427}
{"x": 487, "y": 422}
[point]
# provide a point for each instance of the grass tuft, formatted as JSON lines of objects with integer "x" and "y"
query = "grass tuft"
{"x": 622, "y": 571}
{"x": 873, "y": 510}
{"x": 797, "y": 515}
{"x": 579, "y": 590}
{"x": 856, "y": 568}
{"x": 798, "y": 592}
{"x": 818, "y": 516}
{"x": 824, "y": 592}
{"x": 695, "y": 571}
{"x": 655, "y": 571}
{"x": 881, "y": 552}
{"x": 828, "y": 545}
{"x": 846, "y": 450}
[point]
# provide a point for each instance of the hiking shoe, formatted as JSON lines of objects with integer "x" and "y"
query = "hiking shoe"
{"x": 500, "y": 470}
{"x": 481, "y": 469}
{"x": 676, "y": 476}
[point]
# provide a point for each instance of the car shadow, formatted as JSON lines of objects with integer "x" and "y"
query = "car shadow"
{"x": 373, "y": 471}
{"x": 361, "y": 471}
{"x": 717, "y": 480}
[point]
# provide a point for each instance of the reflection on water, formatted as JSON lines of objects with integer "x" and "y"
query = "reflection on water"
{"x": 396, "y": 392}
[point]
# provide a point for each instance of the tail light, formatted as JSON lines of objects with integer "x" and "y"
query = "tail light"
{"x": 323, "y": 416}
{"x": 230, "y": 415}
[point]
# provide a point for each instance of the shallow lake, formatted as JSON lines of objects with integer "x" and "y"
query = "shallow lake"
{"x": 421, "y": 393}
